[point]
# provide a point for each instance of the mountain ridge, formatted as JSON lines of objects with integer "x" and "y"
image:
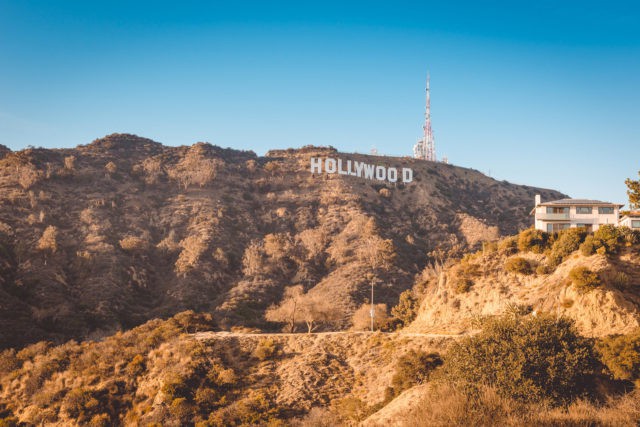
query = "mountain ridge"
{"x": 108, "y": 235}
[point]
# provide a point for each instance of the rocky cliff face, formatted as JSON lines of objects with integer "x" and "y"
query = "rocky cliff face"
{"x": 107, "y": 235}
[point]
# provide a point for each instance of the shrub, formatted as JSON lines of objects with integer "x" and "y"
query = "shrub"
{"x": 584, "y": 279}
{"x": 133, "y": 244}
{"x": 111, "y": 168}
{"x": 181, "y": 408}
{"x": 80, "y": 403}
{"x": 610, "y": 237}
{"x": 524, "y": 357}
{"x": 567, "y": 242}
{"x": 518, "y": 265}
{"x": 532, "y": 240}
{"x": 266, "y": 349}
{"x": 9, "y": 422}
{"x": 69, "y": 162}
{"x": 463, "y": 285}
{"x": 352, "y": 409}
{"x": 621, "y": 280}
{"x": 543, "y": 269}
{"x": 137, "y": 366}
{"x": 588, "y": 247}
{"x": 468, "y": 269}
{"x": 176, "y": 386}
{"x": 48, "y": 241}
{"x": 413, "y": 368}
{"x": 621, "y": 355}
{"x": 607, "y": 240}
{"x": 509, "y": 246}
{"x": 406, "y": 309}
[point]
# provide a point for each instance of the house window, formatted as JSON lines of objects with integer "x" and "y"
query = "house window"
{"x": 551, "y": 210}
{"x": 588, "y": 227}
{"x": 555, "y": 227}
{"x": 605, "y": 210}
{"x": 584, "y": 210}
{"x": 635, "y": 224}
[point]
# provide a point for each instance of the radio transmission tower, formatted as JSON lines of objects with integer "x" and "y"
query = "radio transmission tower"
{"x": 425, "y": 148}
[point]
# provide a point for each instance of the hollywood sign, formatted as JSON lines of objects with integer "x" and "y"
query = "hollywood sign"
{"x": 360, "y": 169}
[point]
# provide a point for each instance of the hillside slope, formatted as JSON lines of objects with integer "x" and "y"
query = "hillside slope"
{"x": 105, "y": 236}
{"x": 482, "y": 284}
{"x": 157, "y": 375}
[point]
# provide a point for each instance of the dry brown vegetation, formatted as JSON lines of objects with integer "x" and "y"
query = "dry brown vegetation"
{"x": 158, "y": 374}
{"x": 107, "y": 235}
{"x": 560, "y": 273}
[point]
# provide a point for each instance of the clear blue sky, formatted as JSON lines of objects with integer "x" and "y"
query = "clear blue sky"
{"x": 545, "y": 93}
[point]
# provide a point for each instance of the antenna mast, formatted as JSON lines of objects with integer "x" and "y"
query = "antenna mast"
{"x": 425, "y": 148}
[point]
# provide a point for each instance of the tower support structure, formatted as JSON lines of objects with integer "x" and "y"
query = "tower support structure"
{"x": 425, "y": 148}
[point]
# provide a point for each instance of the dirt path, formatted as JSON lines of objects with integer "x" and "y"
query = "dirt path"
{"x": 224, "y": 334}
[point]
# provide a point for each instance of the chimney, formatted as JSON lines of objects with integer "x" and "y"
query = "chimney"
{"x": 538, "y": 200}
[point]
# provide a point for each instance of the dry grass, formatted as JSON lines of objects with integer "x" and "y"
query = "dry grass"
{"x": 446, "y": 405}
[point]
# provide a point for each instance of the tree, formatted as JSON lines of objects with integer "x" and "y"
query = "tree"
{"x": 49, "y": 241}
{"x": 111, "y": 168}
{"x": 297, "y": 307}
{"x": 69, "y": 162}
{"x": 407, "y": 308}
{"x": 288, "y": 308}
{"x": 633, "y": 192}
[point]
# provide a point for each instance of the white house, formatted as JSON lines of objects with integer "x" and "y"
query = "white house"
{"x": 631, "y": 220}
{"x": 569, "y": 213}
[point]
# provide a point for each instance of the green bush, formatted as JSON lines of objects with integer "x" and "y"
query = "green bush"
{"x": 588, "y": 247}
{"x": 610, "y": 237}
{"x": 406, "y": 309}
{"x": 607, "y": 240}
{"x": 528, "y": 358}
{"x": 565, "y": 244}
{"x": 584, "y": 279}
{"x": 413, "y": 368}
{"x": 518, "y": 265}
{"x": 532, "y": 240}
{"x": 621, "y": 355}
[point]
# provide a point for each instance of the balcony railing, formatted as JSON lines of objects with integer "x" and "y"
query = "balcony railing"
{"x": 552, "y": 216}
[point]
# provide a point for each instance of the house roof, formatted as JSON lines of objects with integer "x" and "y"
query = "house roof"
{"x": 634, "y": 214}
{"x": 578, "y": 202}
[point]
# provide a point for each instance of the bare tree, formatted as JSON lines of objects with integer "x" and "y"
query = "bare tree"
{"x": 287, "y": 309}
{"x": 296, "y": 306}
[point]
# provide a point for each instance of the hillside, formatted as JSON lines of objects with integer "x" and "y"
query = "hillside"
{"x": 157, "y": 375}
{"x": 185, "y": 371}
{"x": 482, "y": 284}
{"x": 106, "y": 236}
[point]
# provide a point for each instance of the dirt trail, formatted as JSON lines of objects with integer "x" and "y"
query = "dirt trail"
{"x": 224, "y": 334}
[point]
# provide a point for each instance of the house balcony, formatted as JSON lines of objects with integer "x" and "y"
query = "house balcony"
{"x": 552, "y": 216}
